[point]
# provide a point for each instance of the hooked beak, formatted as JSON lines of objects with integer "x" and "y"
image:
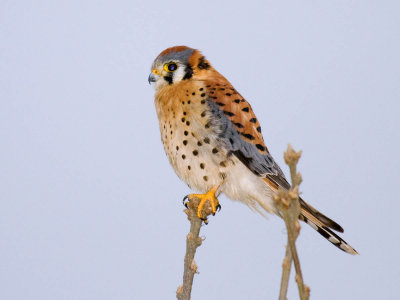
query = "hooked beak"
{"x": 153, "y": 77}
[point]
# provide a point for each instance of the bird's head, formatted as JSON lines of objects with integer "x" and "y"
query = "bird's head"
{"x": 177, "y": 64}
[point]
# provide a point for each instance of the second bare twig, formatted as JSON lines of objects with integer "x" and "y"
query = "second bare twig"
{"x": 289, "y": 208}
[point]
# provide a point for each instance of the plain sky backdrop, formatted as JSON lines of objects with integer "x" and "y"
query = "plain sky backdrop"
{"x": 91, "y": 209}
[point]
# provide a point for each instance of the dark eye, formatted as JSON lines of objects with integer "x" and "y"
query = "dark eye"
{"x": 170, "y": 67}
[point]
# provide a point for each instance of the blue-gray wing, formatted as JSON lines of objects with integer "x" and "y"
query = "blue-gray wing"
{"x": 239, "y": 132}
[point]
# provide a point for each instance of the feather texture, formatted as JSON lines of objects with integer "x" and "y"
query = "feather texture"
{"x": 213, "y": 138}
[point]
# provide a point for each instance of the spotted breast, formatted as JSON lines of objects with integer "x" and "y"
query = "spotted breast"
{"x": 189, "y": 138}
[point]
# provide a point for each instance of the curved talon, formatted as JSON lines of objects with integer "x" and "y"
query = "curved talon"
{"x": 184, "y": 202}
{"x": 219, "y": 207}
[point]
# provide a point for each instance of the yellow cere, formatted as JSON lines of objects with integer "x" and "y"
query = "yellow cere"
{"x": 156, "y": 72}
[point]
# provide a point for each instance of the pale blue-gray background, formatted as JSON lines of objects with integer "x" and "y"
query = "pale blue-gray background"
{"x": 91, "y": 209}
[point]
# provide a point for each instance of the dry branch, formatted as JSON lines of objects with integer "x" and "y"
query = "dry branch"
{"x": 193, "y": 241}
{"x": 289, "y": 208}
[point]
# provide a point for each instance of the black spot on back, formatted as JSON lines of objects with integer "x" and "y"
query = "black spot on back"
{"x": 229, "y": 113}
{"x": 238, "y": 125}
{"x": 260, "y": 147}
{"x": 248, "y": 136}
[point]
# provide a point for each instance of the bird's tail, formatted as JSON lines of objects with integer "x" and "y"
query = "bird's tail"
{"x": 323, "y": 225}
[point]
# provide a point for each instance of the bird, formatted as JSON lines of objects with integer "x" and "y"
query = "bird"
{"x": 214, "y": 143}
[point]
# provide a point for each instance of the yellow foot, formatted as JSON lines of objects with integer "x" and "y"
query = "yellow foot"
{"x": 207, "y": 197}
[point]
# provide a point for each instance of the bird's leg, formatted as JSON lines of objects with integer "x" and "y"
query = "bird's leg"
{"x": 204, "y": 198}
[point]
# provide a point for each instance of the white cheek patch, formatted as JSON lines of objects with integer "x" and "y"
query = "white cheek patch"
{"x": 178, "y": 74}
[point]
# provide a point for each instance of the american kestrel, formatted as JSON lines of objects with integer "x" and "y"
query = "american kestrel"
{"x": 213, "y": 139}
